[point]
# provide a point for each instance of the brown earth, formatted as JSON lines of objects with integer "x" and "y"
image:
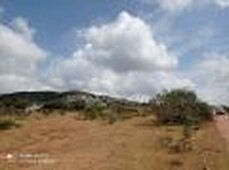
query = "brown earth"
{"x": 65, "y": 143}
{"x": 222, "y": 123}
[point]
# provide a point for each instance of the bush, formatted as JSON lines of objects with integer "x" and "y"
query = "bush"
{"x": 93, "y": 110}
{"x": 226, "y": 108}
{"x": 111, "y": 116}
{"x": 182, "y": 107}
{"x": 175, "y": 146}
{"x": 7, "y": 124}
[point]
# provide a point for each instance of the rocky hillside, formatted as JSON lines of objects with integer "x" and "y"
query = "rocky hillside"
{"x": 58, "y": 100}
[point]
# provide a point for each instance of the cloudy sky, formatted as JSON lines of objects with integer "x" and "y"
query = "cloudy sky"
{"x": 127, "y": 48}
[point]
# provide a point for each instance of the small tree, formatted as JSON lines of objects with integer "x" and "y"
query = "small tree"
{"x": 181, "y": 106}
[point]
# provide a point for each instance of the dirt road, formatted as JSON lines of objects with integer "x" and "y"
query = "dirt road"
{"x": 222, "y": 123}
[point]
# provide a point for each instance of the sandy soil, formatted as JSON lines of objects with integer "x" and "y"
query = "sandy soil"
{"x": 222, "y": 123}
{"x": 64, "y": 143}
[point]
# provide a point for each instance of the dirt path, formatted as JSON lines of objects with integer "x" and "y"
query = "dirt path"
{"x": 222, "y": 123}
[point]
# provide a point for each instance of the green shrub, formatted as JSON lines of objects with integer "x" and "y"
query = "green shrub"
{"x": 181, "y": 106}
{"x": 88, "y": 115}
{"x": 93, "y": 110}
{"x": 7, "y": 124}
{"x": 112, "y": 117}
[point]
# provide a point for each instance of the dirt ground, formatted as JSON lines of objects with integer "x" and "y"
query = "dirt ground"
{"x": 222, "y": 123}
{"x": 65, "y": 143}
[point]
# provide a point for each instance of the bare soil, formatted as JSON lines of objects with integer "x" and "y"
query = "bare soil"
{"x": 222, "y": 124}
{"x": 65, "y": 143}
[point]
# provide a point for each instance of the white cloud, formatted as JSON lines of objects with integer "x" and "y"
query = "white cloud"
{"x": 212, "y": 76}
{"x": 14, "y": 82}
{"x": 121, "y": 58}
{"x": 175, "y": 5}
{"x": 21, "y": 25}
{"x": 222, "y": 3}
{"x": 126, "y": 44}
{"x": 18, "y": 53}
{"x": 180, "y": 5}
{"x": 19, "y": 56}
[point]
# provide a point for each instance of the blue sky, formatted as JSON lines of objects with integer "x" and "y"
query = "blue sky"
{"x": 182, "y": 43}
{"x": 56, "y": 21}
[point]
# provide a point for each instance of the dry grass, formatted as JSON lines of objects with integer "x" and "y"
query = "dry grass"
{"x": 92, "y": 145}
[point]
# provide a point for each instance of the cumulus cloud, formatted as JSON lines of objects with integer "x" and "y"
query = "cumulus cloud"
{"x": 180, "y": 5}
{"x": 212, "y": 76}
{"x": 175, "y": 4}
{"x": 19, "y": 56}
{"x": 222, "y": 3}
{"x": 126, "y": 44}
{"x": 120, "y": 58}
{"x": 17, "y": 53}
{"x": 22, "y": 26}
{"x": 15, "y": 82}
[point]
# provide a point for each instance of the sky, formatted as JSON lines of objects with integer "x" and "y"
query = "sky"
{"x": 124, "y": 48}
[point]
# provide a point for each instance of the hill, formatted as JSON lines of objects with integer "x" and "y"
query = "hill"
{"x": 69, "y": 100}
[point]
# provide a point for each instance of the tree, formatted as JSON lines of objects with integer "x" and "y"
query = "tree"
{"x": 181, "y": 106}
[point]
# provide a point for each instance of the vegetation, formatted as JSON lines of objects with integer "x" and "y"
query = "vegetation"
{"x": 181, "y": 106}
{"x": 226, "y": 108}
{"x": 6, "y": 123}
{"x": 100, "y": 110}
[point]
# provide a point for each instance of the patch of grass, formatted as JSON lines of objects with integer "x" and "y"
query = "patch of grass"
{"x": 175, "y": 146}
{"x": 176, "y": 163}
{"x": 112, "y": 118}
{"x": 7, "y": 123}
